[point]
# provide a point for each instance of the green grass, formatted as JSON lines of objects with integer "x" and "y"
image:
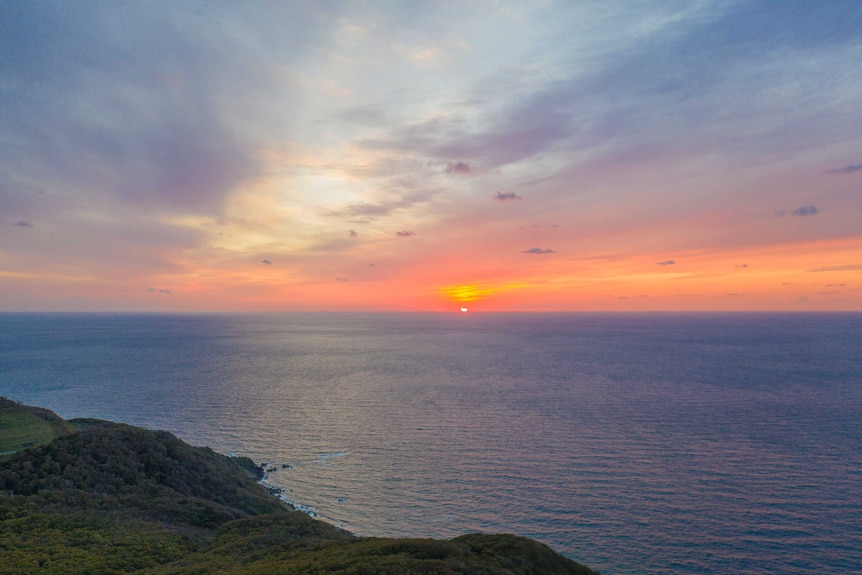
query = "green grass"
{"x": 22, "y": 427}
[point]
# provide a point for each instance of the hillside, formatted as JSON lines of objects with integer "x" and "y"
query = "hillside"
{"x": 102, "y": 497}
{"x": 22, "y": 426}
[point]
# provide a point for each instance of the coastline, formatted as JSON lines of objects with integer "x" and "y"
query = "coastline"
{"x": 105, "y": 497}
{"x": 279, "y": 492}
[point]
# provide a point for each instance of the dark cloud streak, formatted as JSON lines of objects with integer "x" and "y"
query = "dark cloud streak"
{"x": 506, "y": 196}
{"x": 847, "y": 268}
{"x": 805, "y": 211}
{"x": 847, "y": 169}
{"x": 459, "y": 169}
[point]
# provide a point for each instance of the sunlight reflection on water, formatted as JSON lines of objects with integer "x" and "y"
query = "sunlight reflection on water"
{"x": 673, "y": 444}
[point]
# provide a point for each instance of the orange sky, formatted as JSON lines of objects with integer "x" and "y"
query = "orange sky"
{"x": 367, "y": 157}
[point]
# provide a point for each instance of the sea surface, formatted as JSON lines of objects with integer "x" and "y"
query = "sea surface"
{"x": 634, "y": 443}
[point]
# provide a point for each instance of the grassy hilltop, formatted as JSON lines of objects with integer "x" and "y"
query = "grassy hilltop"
{"x": 95, "y": 497}
{"x": 22, "y": 427}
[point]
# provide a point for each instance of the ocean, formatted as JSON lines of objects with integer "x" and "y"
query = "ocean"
{"x": 634, "y": 443}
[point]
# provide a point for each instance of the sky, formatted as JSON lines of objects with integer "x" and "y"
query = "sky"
{"x": 613, "y": 155}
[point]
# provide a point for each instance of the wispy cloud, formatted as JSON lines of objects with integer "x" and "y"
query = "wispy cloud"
{"x": 366, "y": 115}
{"x": 405, "y": 234}
{"x": 170, "y": 146}
{"x": 23, "y": 224}
{"x": 528, "y": 128}
{"x": 387, "y": 206}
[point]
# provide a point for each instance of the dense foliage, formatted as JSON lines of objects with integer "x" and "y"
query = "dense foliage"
{"x": 111, "y": 498}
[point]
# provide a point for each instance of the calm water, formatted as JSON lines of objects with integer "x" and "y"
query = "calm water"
{"x": 634, "y": 443}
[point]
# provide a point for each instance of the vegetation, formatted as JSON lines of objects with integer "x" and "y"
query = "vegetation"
{"x": 22, "y": 427}
{"x": 100, "y": 497}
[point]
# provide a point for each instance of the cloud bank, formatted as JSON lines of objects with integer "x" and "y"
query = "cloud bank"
{"x": 172, "y": 144}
